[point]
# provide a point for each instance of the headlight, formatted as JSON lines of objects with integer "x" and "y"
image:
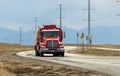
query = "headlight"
{"x": 42, "y": 46}
{"x": 61, "y": 46}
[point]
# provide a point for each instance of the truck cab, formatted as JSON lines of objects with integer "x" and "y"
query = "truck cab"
{"x": 48, "y": 40}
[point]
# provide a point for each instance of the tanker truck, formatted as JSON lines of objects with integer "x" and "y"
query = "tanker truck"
{"x": 48, "y": 40}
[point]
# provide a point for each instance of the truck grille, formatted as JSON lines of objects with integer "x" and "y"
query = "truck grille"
{"x": 52, "y": 43}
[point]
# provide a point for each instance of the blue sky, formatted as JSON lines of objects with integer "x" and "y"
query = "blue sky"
{"x": 21, "y": 13}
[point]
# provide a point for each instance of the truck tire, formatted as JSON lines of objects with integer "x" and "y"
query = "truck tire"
{"x": 36, "y": 52}
{"x": 56, "y": 54}
{"x": 62, "y": 54}
{"x": 41, "y": 54}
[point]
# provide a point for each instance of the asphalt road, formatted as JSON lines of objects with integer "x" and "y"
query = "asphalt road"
{"x": 109, "y": 65}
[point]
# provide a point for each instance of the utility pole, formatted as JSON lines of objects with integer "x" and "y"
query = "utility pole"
{"x": 20, "y": 35}
{"x": 118, "y": 1}
{"x": 89, "y": 19}
{"x": 60, "y": 15}
{"x": 7, "y": 39}
{"x": 77, "y": 39}
{"x": 35, "y": 24}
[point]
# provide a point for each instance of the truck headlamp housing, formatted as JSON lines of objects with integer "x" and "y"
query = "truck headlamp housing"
{"x": 42, "y": 46}
{"x": 61, "y": 46}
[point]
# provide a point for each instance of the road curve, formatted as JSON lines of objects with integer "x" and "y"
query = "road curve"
{"x": 109, "y": 65}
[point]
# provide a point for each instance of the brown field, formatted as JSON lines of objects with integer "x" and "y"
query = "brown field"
{"x": 12, "y": 65}
{"x": 97, "y": 52}
{"x": 97, "y": 45}
{"x": 4, "y": 47}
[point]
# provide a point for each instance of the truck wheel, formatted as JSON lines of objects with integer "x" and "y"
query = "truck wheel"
{"x": 62, "y": 54}
{"x": 36, "y": 52}
{"x": 56, "y": 54}
{"x": 41, "y": 54}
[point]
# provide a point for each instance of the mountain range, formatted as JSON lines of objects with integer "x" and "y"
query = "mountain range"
{"x": 100, "y": 35}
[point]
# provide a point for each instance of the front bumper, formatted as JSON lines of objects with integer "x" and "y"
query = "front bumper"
{"x": 51, "y": 50}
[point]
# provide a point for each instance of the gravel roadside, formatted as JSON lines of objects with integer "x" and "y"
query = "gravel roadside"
{"x": 19, "y": 66}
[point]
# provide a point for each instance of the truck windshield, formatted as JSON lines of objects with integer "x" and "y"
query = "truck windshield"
{"x": 50, "y": 33}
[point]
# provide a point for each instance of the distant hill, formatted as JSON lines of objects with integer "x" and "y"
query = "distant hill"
{"x": 12, "y": 36}
{"x": 106, "y": 35}
{"x": 100, "y": 35}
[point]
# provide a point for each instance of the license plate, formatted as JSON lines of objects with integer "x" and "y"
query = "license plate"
{"x": 52, "y": 49}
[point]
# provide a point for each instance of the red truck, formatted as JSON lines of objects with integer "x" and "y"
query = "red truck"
{"x": 48, "y": 40}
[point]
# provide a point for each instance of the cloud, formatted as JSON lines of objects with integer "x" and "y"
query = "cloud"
{"x": 21, "y": 13}
{"x": 15, "y": 26}
{"x": 70, "y": 24}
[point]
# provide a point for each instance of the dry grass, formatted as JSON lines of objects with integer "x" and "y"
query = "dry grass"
{"x": 11, "y": 65}
{"x": 18, "y": 69}
{"x": 4, "y": 47}
{"x": 97, "y": 52}
{"x": 4, "y": 72}
{"x": 97, "y": 45}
